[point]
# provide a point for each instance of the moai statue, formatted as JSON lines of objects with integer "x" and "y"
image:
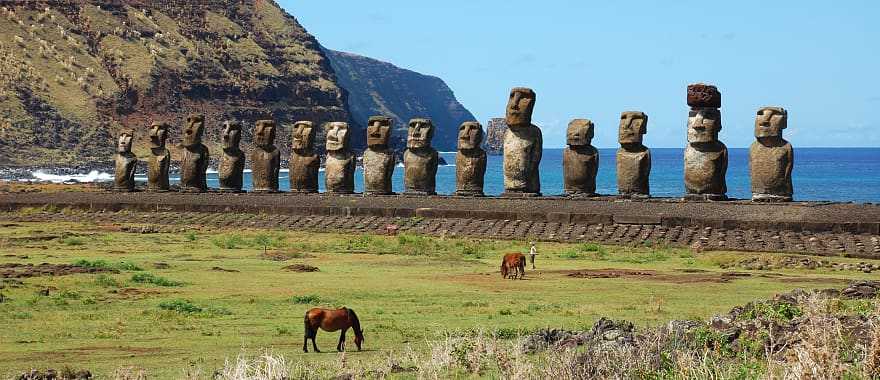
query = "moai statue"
{"x": 194, "y": 163}
{"x": 522, "y": 146}
{"x": 126, "y": 163}
{"x": 580, "y": 161}
{"x": 378, "y": 160}
{"x": 160, "y": 158}
{"x": 304, "y": 162}
{"x": 771, "y": 158}
{"x": 265, "y": 158}
{"x": 231, "y": 170}
{"x": 633, "y": 157}
{"x": 341, "y": 161}
{"x": 470, "y": 161}
{"x": 705, "y": 157}
{"x": 420, "y": 159}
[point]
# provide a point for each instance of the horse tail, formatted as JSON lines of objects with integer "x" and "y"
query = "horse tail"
{"x": 308, "y": 327}
{"x": 355, "y": 322}
{"x": 503, "y": 269}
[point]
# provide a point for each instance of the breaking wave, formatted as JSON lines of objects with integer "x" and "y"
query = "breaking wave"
{"x": 92, "y": 176}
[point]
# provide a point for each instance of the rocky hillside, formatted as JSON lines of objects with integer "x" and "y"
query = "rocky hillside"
{"x": 75, "y": 72}
{"x": 380, "y": 88}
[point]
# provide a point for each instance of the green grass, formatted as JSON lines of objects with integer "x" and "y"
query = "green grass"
{"x": 406, "y": 289}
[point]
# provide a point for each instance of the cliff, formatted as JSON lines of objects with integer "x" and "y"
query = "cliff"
{"x": 495, "y": 129}
{"x": 380, "y": 88}
{"x": 73, "y": 73}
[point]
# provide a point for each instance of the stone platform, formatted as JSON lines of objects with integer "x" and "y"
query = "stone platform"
{"x": 800, "y": 227}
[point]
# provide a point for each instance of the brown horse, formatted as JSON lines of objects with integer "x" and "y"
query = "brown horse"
{"x": 332, "y": 320}
{"x": 513, "y": 264}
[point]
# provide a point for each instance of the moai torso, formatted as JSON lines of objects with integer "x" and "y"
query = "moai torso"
{"x": 420, "y": 160}
{"x": 339, "y": 172}
{"x": 420, "y": 171}
{"x": 231, "y": 168}
{"x": 771, "y": 158}
{"x": 265, "y": 158}
{"x": 160, "y": 159}
{"x": 633, "y": 171}
{"x": 194, "y": 162}
{"x": 304, "y": 162}
{"x": 580, "y": 161}
{"x": 341, "y": 162}
{"x": 522, "y": 146}
{"x": 470, "y": 160}
{"x": 705, "y": 157}
{"x": 705, "y": 170}
{"x": 633, "y": 158}
{"x": 378, "y": 160}
{"x": 378, "y": 170}
{"x": 126, "y": 164}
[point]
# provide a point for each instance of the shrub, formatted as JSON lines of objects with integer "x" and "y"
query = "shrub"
{"x": 72, "y": 241}
{"x": 306, "y": 299}
{"x": 102, "y": 264}
{"x": 227, "y": 241}
{"x": 190, "y": 236}
{"x": 149, "y": 278}
{"x": 181, "y": 306}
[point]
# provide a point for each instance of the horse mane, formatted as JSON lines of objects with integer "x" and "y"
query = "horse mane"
{"x": 355, "y": 322}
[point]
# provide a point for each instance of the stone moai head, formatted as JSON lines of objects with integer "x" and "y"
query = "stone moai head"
{"x": 470, "y": 135}
{"x": 123, "y": 142}
{"x": 231, "y": 135}
{"x": 770, "y": 122}
{"x": 303, "y": 135}
{"x": 420, "y": 133}
{"x": 338, "y": 135}
{"x": 378, "y": 131}
{"x": 264, "y": 133}
{"x": 519, "y": 107}
{"x": 158, "y": 134}
{"x": 195, "y": 128}
{"x": 579, "y": 133}
{"x": 633, "y": 125}
{"x": 703, "y": 125}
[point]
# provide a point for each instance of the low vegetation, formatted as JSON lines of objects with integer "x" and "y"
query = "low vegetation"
{"x": 431, "y": 307}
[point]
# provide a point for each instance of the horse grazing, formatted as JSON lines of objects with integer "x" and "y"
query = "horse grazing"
{"x": 513, "y": 264}
{"x": 331, "y": 320}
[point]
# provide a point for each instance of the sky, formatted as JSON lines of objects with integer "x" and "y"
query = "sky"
{"x": 594, "y": 59}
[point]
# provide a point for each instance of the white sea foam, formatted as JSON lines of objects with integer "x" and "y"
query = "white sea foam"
{"x": 92, "y": 176}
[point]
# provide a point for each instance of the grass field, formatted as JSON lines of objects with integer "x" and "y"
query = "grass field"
{"x": 191, "y": 299}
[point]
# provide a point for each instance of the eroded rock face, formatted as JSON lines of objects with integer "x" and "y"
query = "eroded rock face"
{"x": 160, "y": 158}
{"x": 378, "y": 160}
{"x": 231, "y": 169}
{"x": 523, "y": 146}
{"x": 265, "y": 158}
{"x": 580, "y": 161}
{"x": 304, "y": 162}
{"x": 470, "y": 160}
{"x": 705, "y": 157}
{"x": 341, "y": 161}
{"x": 420, "y": 159}
{"x": 633, "y": 157}
{"x": 771, "y": 158}
{"x": 126, "y": 163}
{"x": 194, "y": 162}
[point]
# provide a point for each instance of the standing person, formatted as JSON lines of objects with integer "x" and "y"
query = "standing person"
{"x": 532, "y": 253}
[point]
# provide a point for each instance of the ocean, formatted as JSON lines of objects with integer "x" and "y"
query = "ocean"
{"x": 820, "y": 174}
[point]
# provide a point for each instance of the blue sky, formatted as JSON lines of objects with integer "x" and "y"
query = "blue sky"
{"x": 594, "y": 59}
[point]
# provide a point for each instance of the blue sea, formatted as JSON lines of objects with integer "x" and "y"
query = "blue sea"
{"x": 831, "y": 174}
